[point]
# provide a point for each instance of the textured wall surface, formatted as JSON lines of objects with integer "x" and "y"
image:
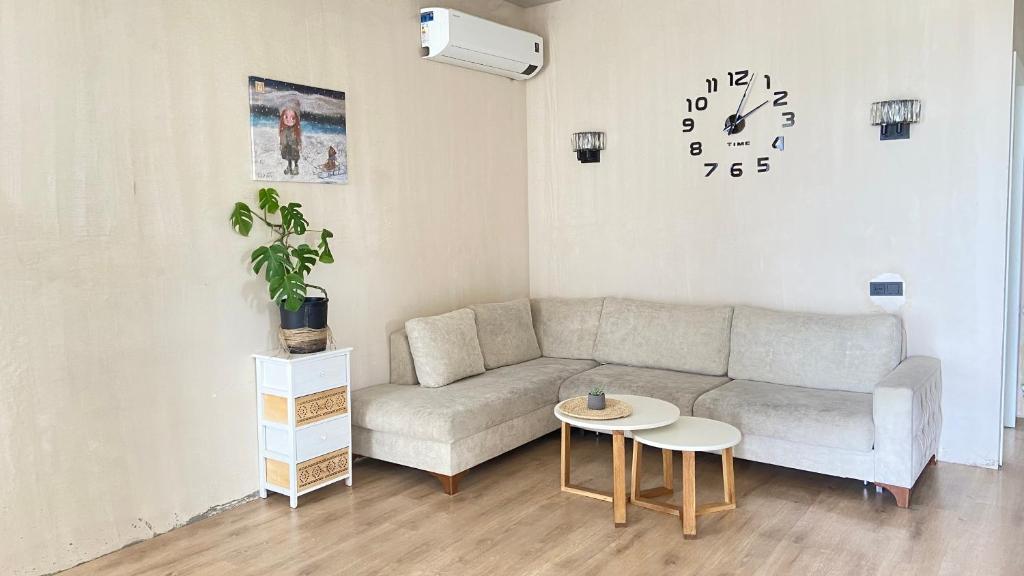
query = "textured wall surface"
{"x": 127, "y": 313}
{"x": 837, "y": 208}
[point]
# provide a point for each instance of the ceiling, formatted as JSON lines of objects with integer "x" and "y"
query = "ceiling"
{"x": 529, "y": 3}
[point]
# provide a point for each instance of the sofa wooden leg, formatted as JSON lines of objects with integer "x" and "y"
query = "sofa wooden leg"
{"x": 933, "y": 461}
{"x": 902, "y": 494}
{"x": 450, "y": 484}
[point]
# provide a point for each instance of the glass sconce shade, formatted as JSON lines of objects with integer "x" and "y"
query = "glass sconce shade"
{"x": 588, "y": 146}
{"x": 895, "y": 112}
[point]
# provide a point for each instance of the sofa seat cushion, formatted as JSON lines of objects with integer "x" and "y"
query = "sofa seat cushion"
{"x": 832, "y": 418}
{"x": 668, "y": 336}
{"x": 679, "y": 388}
{"x": 466, "y": 407}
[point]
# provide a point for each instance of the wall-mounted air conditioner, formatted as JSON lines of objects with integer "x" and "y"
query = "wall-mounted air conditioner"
{"x": 464, "y": 40}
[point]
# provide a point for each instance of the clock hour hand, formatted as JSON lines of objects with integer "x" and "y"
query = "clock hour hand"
{"x": 756, "y": 108}
{"x": 731, "y": 125}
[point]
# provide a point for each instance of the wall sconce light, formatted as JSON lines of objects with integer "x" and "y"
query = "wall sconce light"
{"x": 895, "y": 118}
{"x": 588, "y": 146}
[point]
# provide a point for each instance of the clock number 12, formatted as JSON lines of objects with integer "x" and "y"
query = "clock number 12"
{"x": 739, "y": 78}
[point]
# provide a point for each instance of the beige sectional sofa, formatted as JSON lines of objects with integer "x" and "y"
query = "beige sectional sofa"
{"x": 825, "y": 393}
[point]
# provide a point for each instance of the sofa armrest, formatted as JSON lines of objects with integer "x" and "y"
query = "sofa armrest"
{"x": 908, "y": 417}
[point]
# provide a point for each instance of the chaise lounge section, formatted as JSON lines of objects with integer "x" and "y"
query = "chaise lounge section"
{"x": 825, "y": 393}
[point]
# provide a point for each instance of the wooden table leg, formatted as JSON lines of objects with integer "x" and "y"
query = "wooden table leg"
{"x": 639, "y": 495}
{"x": 666, "y": 470}
{"x": 566, "y": 453}
{"x": 619, "y": 477}
{"x": 565, "y": 473}
{"x": 688, "y": 514}
{"x": 638, "y": 462}
{"x": 728, "y": 479}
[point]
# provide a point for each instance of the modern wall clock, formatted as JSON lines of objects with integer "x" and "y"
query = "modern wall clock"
{"x": 737, "y": 124}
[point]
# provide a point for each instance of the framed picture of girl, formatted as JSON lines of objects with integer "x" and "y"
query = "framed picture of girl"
{"x": 298, "y": 132}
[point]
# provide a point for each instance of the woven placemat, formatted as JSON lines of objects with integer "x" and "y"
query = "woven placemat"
{"x": 577, "y": 408}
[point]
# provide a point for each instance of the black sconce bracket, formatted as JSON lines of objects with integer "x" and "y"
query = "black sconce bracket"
{"x": 899, "y": 131}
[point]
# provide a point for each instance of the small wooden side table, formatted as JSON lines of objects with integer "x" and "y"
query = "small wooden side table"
{"x": 647, "y": 413}
{"x": 687, "y": 435}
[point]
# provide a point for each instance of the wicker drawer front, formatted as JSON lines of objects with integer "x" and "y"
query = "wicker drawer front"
{"x": 308, "y": 409}
{"x": 309, "y": 377}
{"x": 311, "y": 472}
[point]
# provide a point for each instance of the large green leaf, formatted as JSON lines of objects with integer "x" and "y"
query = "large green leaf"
{"x": 241, "y": 218}
{"x": 269, "y": 200}
{"x": 293, "y": 219}
{"x": 325, "y": 250}
{"x": 292, "y": 291}
{"x": 305, "y": 258}
{"x": 274, "y": 257}
{"x": 275, "y": 285}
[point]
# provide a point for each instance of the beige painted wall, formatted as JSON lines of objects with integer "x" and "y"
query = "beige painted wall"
{"x": 128, "y": 314}
{"x": 837, "y": 208}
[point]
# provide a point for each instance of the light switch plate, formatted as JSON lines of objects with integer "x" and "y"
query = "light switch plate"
{"x": 886, "y": 289}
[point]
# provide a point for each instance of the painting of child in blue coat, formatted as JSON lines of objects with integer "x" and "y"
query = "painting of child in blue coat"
{"x": 298, "y": 132}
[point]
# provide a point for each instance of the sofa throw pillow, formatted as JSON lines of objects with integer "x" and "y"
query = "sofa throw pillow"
{"x": 506, "y": 333}
{"x": 445, "y": 348}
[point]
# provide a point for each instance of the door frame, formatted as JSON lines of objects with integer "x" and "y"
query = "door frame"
{"x": 1014, "y": 249}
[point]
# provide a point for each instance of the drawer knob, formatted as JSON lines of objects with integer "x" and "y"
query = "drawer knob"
{"x": 323, "y": 373}
{"x": 323, "y": 436}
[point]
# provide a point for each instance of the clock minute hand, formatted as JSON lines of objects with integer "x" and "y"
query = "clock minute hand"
{"x": 743, "y": 100}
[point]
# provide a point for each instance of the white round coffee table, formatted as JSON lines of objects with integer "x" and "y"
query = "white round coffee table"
{"x": 687, "y": 435}
{"x": 647, "y": 413}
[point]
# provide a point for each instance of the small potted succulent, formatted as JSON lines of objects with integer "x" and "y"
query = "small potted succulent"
{"x": 286, "y": 262}
{"x": 595, "y": 398}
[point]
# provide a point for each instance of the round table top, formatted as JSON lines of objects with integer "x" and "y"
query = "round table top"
{"x": 647, "y": 413}
{"x": 690, "y": 434}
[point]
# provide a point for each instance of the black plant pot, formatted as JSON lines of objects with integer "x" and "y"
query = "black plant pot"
{"x": 298, "y": 327}
{"x": 312, "y": 314}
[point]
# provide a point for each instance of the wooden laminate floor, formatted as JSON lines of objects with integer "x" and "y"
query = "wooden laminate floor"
{"x": 510, "y": 518}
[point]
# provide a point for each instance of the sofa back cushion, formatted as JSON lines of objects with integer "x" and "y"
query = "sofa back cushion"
{"x": 670, "y": 336}
{"x": 445, "y": 348}
{"x": 567, "y": 327}
{"x": 402, "y": 369}
{"x": 506, "y": 333}
{"x": 824, "y": 351}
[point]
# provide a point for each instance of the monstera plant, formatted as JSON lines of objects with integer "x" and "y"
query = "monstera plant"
{"x": 286, "y": 261}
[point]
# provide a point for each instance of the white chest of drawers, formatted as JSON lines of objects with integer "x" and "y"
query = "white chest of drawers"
{"x": 304, "y": 427}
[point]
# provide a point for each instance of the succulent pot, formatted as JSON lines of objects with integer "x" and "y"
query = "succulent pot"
{"x": 595, "y": 401}
{"x": 304, "y": 331}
